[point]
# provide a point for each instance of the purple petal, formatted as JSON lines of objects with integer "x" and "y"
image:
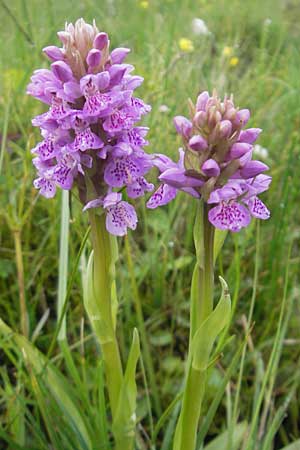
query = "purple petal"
{"x": 93, "y": 204}
{"x": 118, "y": 121}
{"x": 120, "y": 217}
{"x": 229, "y": 216}
{"x": 86, "y": 140}
{"x": 112, "y": 199}
{"x": 176, "y": 177}
{"x": 139, "y": 187}
{"x": 118, "y": 55}
{"x": 46, "y": 186}
{"x": 258, "y": 208}
{"x": 63, "y": 176}
{"x": 121, "y": 171}
{"x": 45, "y": 149}
{"x": 162, "y": 196}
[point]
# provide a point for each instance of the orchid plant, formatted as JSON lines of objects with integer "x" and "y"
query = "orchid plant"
{"x": 92, "y": 144}
{"x": 216, "y": 168}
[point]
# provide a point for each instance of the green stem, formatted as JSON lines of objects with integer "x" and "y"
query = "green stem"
{"x": 21, "y": 283}
{"x": 103, "y": 261}
{"x": 206, "y": 271}
{"x": 200, "y": 308}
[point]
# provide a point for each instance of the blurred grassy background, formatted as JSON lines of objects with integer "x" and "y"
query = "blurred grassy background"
{"x": 252, "y": 50}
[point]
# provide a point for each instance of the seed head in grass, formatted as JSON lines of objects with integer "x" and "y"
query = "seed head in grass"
{"x": 216, "y": 164}
{"x": 90, "y": 136}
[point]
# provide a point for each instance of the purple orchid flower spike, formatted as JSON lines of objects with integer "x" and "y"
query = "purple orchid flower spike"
{"x": 91, "y": 138}
{"x": 216, "y": 164}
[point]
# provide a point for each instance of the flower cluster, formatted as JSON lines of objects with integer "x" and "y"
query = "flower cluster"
{"x": 90, "y": 137}
{"x": 216, "y": 164}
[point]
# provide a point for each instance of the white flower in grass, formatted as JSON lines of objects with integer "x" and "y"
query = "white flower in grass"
{"x": 199, "y": 27}
{"x": 164, "y": 109}
{"x": 260, "y": 151}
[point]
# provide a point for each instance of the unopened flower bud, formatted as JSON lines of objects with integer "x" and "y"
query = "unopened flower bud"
{"x": 200, "y": 119}
{"x": 225, "y": 129}
{"x": 253, "y": 168}
{"x": 93, "y": 58}
{"x": 198, "y": 142}
{"x": 211, "y": 168}
{"x": 202, "y": 101}
{"x": 239, "y": 149}
{"x": 62, "y": 71}
{"x": 100, "y": 41}
{"x": 249, "y": 136}
{"x": 242, "y": 117}
{"x": 54, "y": 53}
{"x": 183, "y": 126}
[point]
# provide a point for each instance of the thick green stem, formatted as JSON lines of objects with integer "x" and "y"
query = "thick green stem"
{"x": 206, "y": 270}
{"x": 103, "y": 278}
{"x": 201, "y": 307}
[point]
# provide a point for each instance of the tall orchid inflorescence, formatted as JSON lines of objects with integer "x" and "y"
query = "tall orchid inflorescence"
{"x": 216, "y": 164}
{"x": 90, "y": 137}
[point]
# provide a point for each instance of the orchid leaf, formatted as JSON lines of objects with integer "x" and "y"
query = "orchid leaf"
{"x": 91, "y": 305}
{"x": 219, "y": 239}
{"x": 221, "y": 441}
{"x": 125, "y": 418}
{"x": 208, "y": 331}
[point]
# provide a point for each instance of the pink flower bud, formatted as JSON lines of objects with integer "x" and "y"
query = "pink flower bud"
{"x": 200, "y": 119}
{"x": 249, "y": 136}
{"x": 100, "y": 41}
{"x": 198, "y": 142}
{"x": 54, "y": 53}
{"x": 239, "y": 149}
{"x": 225, "y": 129}
{"x": 242, "y": 117}
{"x": 253, "y": 168}
{"x": 62, "y": 71}
{"x": 211, "y": 168}
{"x": 93, "y": 58}
{"x": 183, "y": 126}
{"x": 202, "y": 101}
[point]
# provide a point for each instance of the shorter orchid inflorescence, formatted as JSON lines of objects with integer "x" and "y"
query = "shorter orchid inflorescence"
{"x": 90, "y": 137}
{"x": 216, "y": 164}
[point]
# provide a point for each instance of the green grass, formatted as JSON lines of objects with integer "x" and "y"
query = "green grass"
{"x": 256, "y": 381}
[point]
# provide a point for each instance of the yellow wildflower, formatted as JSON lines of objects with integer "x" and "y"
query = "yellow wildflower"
{"x": 144, "y": 4}
{"x": 227, "y": 51}
{"x": 234, "y": 61}
{"x": 186, "y": 45}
